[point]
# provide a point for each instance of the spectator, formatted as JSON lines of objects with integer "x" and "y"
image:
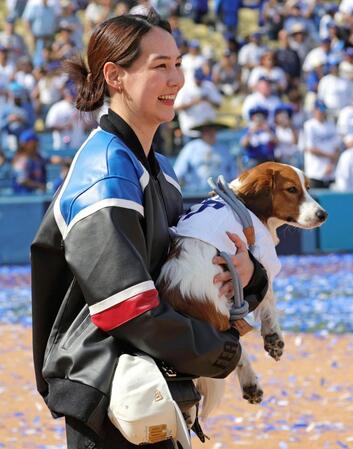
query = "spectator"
{"x": 29, "y": 172}
{"x": 24, "y": 73}
{"x": 321, "y": 147}
{"x": 166, "y": 8}
{"x": 273, "y": 15}
{"x": 12, "y": 41}
{"x": 261, "y": 97}
{"x": 202, "y": 158}
{"x": 196, "y": 103}
{"x": 250, "y": 54}
{"x": 327, "y": 20}
{"x": 345, "y": 121}
{"x": 288, "y": 59}
{"x": 299, "y": 40}
{"x": 259, "y": 140}
{"x": 286, "y": 150}
{"x": 336, "y": 92}
{"x": 268, "y": 69}
{"x": 337, "y": 43}
{"x": 199, "y": 9}
{"x": 346, "y": 66}
{"x": 69, "y": 18}
{"x": 5, "y": 168}
{"x": 64, "y": 46}
{"x": 231, "y": 42}
{"x": 312, "y": 82}
{"x": 7, "y": 70}
{"x": 322, "y": 52}
{"x": 64, "y": 121}
{"x": 14, "y": 116}
{"x": 227, "y": 73}
{"x": 227, "y": 13}
{"x": 48, "y": 87}
{"x": 15, "y": 8}
{"x": 344, "y": 169}
{"x": 295, "y": 101}
{"x": 64, "y": 169}
{"x": 96, "y": 12}
{"x": 192, "y": 60}
{"x": 297, "y": 15}
{"x": 41, "y": 20}
{"x": 346, "y": 13}
{"x": 176, "y": 31}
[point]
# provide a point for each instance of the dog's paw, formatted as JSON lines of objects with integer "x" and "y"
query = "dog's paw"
{"x": 253, "y": 393}
{"x": 274, "y": 345}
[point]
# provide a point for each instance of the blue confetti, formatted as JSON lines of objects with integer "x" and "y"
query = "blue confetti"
{"x": 343, "y": 445}
{"x": 314, "y": 294}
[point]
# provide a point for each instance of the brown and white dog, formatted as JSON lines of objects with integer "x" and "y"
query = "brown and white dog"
{"x": 276, "y": 194}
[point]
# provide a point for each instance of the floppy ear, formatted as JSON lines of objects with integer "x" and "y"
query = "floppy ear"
{"x": 255, "y": 189}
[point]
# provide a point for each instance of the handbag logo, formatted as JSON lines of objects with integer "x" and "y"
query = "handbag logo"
{"x": 158, "y": 396}
{"x": 157, "y": 433}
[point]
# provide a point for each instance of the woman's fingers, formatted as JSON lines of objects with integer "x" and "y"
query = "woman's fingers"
{"x": 226, "y": 290}
{"x": 222, "y": 277}
{"x": 238, "y": 242}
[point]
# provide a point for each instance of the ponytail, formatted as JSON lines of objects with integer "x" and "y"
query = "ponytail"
{"x": 90, "y": 91}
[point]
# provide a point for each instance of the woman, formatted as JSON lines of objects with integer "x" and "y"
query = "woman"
{"x": 104, "y": 238}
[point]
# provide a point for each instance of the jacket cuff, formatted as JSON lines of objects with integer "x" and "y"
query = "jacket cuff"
{"x": 257, "y": 287}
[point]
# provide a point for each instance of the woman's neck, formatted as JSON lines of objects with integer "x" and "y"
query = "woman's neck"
{"x": 143, "y": 131}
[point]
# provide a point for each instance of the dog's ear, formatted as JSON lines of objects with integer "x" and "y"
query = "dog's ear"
{"x": 255, "y": 187}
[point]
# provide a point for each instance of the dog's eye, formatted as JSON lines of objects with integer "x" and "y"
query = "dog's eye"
{"x": 307, "y": 187}
{"x": 292, "y": 190}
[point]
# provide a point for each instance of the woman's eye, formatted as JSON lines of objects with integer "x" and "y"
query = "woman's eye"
{"x": 178, "y": 64}
{"x": 292, "y": 190}
{"x": 163, "y": 66}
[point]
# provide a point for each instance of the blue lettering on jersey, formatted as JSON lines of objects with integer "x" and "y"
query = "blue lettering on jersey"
{"x": 205, "y": 203}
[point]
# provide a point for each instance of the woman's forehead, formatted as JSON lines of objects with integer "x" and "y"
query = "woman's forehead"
{"x": 158, "y": 43}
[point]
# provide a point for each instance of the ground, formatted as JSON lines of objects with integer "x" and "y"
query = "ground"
{"x": 308, "y": 398}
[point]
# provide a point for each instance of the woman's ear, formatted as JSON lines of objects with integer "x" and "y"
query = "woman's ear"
{"x": 112, "y": 76}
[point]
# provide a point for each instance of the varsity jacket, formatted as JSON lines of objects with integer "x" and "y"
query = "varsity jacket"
{"x": 94, "y": 262}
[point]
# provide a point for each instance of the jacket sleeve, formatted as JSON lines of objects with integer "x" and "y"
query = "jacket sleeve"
{"x": 106, "y": 251}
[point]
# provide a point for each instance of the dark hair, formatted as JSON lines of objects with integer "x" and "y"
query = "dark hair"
{"x": 117, "y": 40}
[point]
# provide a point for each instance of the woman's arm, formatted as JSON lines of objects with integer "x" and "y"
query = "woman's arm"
{"x": 106, "y": 251}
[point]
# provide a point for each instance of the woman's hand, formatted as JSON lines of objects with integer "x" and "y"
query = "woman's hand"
{"x": 242, "y": 264}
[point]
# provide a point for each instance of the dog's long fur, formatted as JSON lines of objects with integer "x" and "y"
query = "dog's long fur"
{"x": 277, "y": 194}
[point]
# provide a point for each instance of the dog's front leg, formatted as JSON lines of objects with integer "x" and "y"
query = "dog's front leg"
{"x": 249, "y": 383}
{"x": 270, "y": 329}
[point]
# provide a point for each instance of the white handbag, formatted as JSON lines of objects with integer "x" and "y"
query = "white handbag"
{"x": 141, "y": 405}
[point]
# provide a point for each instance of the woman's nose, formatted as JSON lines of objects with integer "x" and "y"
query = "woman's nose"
{"x": 176, "y": 78}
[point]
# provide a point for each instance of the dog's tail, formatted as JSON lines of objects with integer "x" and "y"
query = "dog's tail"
{"x": 212, "y": 391}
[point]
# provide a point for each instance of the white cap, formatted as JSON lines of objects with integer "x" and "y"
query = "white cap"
{"x": 141, "y": 405}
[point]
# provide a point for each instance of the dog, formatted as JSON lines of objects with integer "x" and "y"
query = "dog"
{"x": 275, "y": 194}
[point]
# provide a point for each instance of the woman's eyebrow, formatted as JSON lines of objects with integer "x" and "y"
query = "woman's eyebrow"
{"x": 165, "y": 57}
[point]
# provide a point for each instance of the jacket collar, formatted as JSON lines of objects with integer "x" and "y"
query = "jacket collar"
{"x": 114, "y": 124}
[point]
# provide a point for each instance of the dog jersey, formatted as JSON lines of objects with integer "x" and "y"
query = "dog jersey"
{"x": 212, "y": 218}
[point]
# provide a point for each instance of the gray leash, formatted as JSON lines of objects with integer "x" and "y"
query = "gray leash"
{"x": 240, "y": 308}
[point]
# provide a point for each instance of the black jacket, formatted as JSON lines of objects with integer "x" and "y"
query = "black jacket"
{"x": 94, "y": 261}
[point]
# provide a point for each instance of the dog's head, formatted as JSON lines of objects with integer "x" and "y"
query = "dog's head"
{"x": 278, "y": 191}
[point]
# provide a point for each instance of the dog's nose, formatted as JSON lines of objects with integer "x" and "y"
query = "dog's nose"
{"x": 321, "y": 214}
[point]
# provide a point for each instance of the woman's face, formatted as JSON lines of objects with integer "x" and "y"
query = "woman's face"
{"x": 151, "y": 83}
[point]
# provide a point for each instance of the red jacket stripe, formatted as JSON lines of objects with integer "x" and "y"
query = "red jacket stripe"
{"x": 125, "y": 311}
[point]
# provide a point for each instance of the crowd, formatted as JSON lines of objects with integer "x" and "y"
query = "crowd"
{"x": 289, "y": 81}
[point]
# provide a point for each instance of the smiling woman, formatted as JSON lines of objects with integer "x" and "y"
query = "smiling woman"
{"x": 102, "y": 243}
